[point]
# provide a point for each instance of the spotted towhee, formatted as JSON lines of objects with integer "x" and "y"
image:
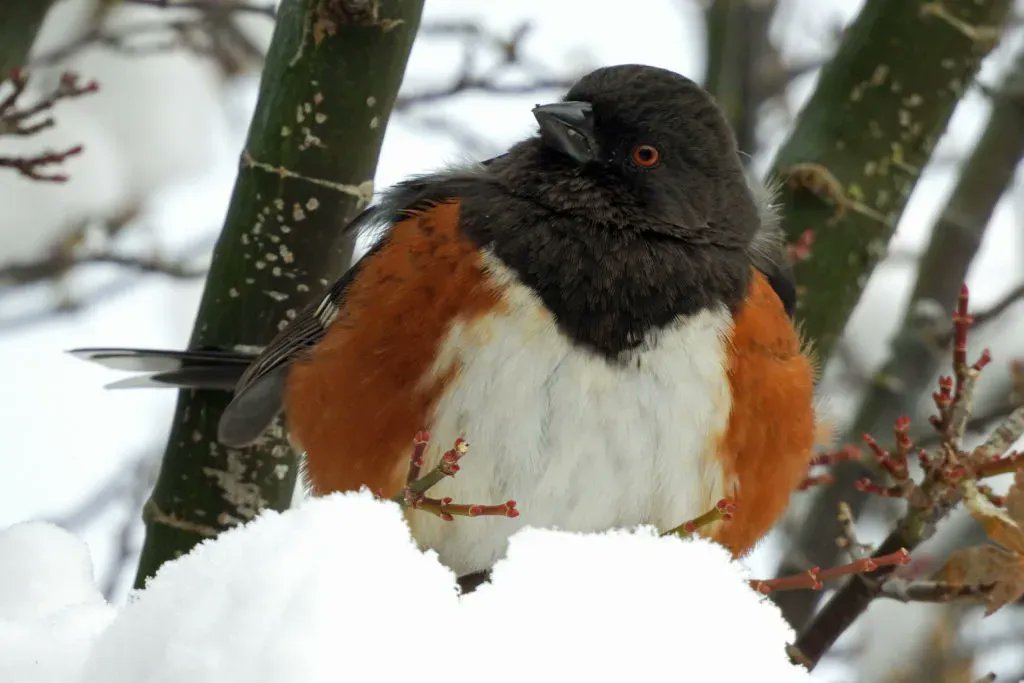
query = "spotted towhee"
{"x": 603, "y": 311}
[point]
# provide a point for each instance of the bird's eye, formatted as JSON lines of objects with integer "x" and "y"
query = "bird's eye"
{"x": 646, "y": 156}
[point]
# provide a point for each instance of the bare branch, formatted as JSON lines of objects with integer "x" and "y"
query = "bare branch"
{"x": 928, "y": 591}
{"x": 57, "y": 265}
{"x": 497, "y": 80}
{"x": 414, "y": 496}
{"x": 989, "y": 314}
{"x": 32, "y": 167}
{"x": 723, "y": 511}
{"x": 25, "y": 121}
{"x": 814, "y": 578}
{"x": 948, "y": 471}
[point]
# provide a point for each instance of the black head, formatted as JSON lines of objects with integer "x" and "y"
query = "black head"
{"x": 629, "y": 210}
{"x": 636, "y": 140}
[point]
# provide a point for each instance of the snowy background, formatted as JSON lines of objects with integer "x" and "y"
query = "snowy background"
{"x": 162, "y": 139}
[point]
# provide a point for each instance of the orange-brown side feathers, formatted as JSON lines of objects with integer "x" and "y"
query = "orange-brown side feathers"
{"x": 356, "y": 402}
{"x": 768, "y": 442}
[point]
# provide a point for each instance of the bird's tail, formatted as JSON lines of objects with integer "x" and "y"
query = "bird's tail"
{"x": 201, "y": 369}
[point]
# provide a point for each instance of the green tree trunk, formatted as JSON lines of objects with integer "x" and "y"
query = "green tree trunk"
{"x": 854, "y": 156}
{"x": 19, "y": 23}
{"x": 860, "y": 143}
{"x": 330, "y": 80}
{"x": 917, "y": 352}
{"x": 920, "y": 346}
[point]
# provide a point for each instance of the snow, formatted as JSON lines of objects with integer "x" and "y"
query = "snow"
{"x": 336, "y": 590}
{"x": 50, "y": 609}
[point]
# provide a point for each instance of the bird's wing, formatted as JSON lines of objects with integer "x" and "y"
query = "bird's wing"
{"x": 259, "y": 392}
{"x": 358, "y": 397}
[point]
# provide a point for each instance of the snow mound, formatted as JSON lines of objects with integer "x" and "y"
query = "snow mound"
{"x": 50, "y": 609}
{"x": 336, "y": 590}
{"x": 332, "y": 587}
{"x": 624, "y": 606}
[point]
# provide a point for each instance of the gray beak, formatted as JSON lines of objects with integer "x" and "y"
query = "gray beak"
{"x": 568, "y": 127}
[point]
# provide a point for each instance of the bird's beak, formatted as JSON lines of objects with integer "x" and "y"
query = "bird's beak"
{"x": 568, "y": 127}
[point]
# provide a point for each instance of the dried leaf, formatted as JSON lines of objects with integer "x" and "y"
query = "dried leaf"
{"x": 999, "y": 570}
{"x": 1000, "y": 526}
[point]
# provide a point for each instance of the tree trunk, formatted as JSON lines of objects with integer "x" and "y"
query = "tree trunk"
{"x": 743, "y": 70}
{"x": 917, "y": 352}
{"x": 330, "y": 80}
{"x": 860, "y": 143}
{"x": 19, "y": 23}
{"x": 920, "y": 345}
{"x": 870, "y": 127}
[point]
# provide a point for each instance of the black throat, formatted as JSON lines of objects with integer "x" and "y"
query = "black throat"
{"x": 609, "y": 278}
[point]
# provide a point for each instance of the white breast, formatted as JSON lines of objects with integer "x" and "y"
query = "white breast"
{"x": 580, "y": 443}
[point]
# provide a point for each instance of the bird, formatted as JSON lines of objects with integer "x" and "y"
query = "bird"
{"x": 605, "y": 311}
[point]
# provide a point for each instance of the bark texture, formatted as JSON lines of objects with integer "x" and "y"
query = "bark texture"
{"x": 860, "y": 143}
{"x": 330, "y": 80}
{"x": 921, "y": 346}
{"x": 19, "y": 23}
{"x": 744, "y": 69}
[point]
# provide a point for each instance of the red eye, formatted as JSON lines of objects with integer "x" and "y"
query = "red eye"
{"x": 646, "y": 156}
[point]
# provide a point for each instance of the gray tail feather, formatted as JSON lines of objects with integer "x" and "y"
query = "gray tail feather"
{"x": 201, "y": 369}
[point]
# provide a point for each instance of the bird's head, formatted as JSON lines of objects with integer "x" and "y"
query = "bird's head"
{"x": 643, "y": 148}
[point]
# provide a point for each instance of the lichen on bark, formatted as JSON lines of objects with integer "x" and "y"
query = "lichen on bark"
{"x": 860, "y": 143}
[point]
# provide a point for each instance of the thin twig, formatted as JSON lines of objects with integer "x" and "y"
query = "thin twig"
{"x": 815, "y": 577}
{"x": 723, "y": 511}
{"x": 413, "y": 495}
{"x": 59, "y": 264}
{"x": 25, "y": 121}
{"x": 945, "y": 471}
{"x": 989, "y": 314}
{"x": 495, "y": 80}
{"x": 32, "y": 166}
{"x": 928, "y": 591}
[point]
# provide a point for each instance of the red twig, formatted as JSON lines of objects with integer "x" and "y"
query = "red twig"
{"x": 15, "y": 121}
{"x": 724, "y": 510}
{"x": 30, "y": 167}
{"x": 849, "y": 452}
{"x": 930, "y": 499}
{"x": 1001, "y": 464}
{"x": 867, "y": 486}
{"x": 419, "y": 444}
{"x": 414, "y": 494}
{"x": 19, "y": 121}
{"x": 894, "y": 464}
{"x": 815, "y": 577}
